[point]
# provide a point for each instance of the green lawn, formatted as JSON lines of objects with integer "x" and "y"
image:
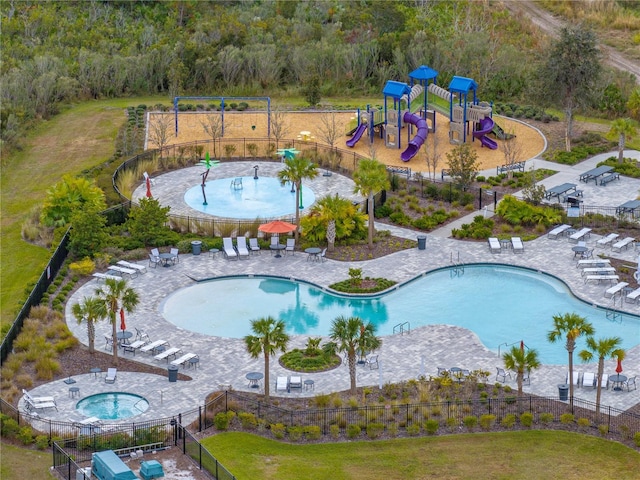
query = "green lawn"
{"x": 530, "y": 455}
{"x": 19, "y": 463}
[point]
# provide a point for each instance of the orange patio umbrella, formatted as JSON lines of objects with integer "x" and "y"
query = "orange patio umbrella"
{"x": 277, "y": 227}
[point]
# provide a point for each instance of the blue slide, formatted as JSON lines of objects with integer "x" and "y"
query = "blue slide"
{"x": 357, "y": 135}
{"x": 417, "y": 141}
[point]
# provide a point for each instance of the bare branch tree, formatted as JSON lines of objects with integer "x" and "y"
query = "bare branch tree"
{"x": 512, "y": 150}
{"x": 159, "y": 130}
{"x": 212, "y": 125}
{"x": 431, "y": 155}
{"x": 329, "y": 131}
{"x": 279, "y": 126}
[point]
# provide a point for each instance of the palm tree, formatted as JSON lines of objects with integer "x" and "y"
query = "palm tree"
{"x": 571, "y": 326}
{"x": 520, "y": 361}
{"x": 330, "y": 209}
{"x": 297, "y": 169}
{"x": 623, "y": 129}
{"x": 602, "y": 348}
{"x": 268, "y": 339}
{"x": 90, "y": 310}
{"x": 352, "y": 335}
{"x": 370, "y": 177}
{"x": 116, "y": 295}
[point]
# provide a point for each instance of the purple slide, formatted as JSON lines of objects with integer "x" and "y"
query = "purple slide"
{"x": 486, "y": 125}
{"x": 357, "y": 135}
{"x": 416, "y": 142}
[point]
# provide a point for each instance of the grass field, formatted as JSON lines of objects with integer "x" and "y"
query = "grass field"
{"x": 527, "y": 455}
{"x": 20, "y": 463}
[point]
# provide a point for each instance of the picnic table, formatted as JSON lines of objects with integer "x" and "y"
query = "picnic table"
{"x": 594, "y": 173}
{"x": 628, "y": 207}
{"x": 559, "y": 190}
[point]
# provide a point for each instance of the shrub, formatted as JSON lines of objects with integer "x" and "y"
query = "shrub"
{"x": 487, "y": 421}
{"x": 546, "y": 418}
{"x": 312, "y": 432}
{"x": 221, "y": 421}
{"x": 636, "y": 439}
{"x": 583, "y": 423}
{"x": 413, "y": 429}
{"x": 526, "y": 419}
{"x": 25, "y": 435}
{"x": 508, "y": 421}
{"x": 470, "y": 422}
{"x": 566, "y": 418}
{"x": 431, "y": 426}
{"x": 83, "y": 267}
{"x": 42, "y": 442}
{"x": 603, "y": 429}
{"x": 295, "y": 433}
{"x": 247, "y": 420}
{"x": 392, "y": 429}
{"x": 334, "y": 431}
{"x": 375, "y": 430}
{"x": 353, "y": 431}
{"x": 10, "y": 427}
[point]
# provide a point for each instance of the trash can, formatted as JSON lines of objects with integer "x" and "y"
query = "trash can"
{"x": 422, "y": 242}
{"x": 563, "y": 391}
{"x": 196, "y": 247}
{"x": 173, "y": 373}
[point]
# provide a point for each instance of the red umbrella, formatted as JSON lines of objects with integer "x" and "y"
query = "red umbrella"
{"x": 277, "y": 226}
{"x": 123, "y": 326}
{"x": 148, "y": 187}
{"x": 522, "y": 345}
{"x": 619, "y": 367}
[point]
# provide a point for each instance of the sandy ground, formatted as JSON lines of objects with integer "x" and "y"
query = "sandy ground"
{"x": 239, "y": 125}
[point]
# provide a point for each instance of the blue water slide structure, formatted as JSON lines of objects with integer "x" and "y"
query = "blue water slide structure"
{"x": 416, "y": 142}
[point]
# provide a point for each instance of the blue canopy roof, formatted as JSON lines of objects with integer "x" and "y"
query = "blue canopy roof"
{"x": 396, "y": 89}
{"x": 423, "y": 73}
{"x": 462, "y": 85}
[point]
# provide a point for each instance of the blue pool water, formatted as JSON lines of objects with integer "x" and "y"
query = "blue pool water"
{"x": 500, "y": 304}
{"x": 112, "y": 405}
{"x": 264, "y": 198}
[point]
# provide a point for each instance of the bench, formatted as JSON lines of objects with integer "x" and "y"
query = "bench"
{"x": 445, "y": 173}
{"x": 609, "y": 178}
{"x": 509, "y": 167}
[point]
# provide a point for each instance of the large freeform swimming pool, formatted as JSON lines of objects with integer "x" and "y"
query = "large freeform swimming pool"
{"x": 502, "y": 305}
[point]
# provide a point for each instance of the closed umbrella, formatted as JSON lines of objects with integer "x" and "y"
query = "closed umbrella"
{"x": 123, "y": 325}
{"x": 148, "y": 187}
{"x": 619, "y": 366}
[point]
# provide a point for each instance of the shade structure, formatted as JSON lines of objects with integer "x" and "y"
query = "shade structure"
{"x": 277, "y": 227}
{"x": 619, "y": 366}
{"x": 123, "y": 325}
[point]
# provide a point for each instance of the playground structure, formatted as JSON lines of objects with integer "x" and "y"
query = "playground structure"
{"x": 177, "y": 100}
{"x": 408, "y": 109}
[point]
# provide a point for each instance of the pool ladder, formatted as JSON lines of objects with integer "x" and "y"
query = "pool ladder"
{"x": 135, "y": 405}
{"x": 611, "y": 313}
{"x": 458, "y": 268}
{"x": 401, "y": 328}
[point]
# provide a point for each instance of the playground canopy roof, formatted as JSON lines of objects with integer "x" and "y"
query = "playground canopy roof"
{"x": 462, "y": 85}
{"x": 396, "y": 89}
{"x": 423, "y": 73}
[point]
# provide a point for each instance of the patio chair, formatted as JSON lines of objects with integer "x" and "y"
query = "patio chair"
{"x": 142, "y": 335}
{"x": 275, "y": 240}
{"x": 254, "y": 246}
{"x": 112, "y": 374}
{"x": 153, "y": 260}
{"x": 227, "y": 246}
{"x": 442, "y": 371}
{"x": 501, "y": 372}
{"x": 241, "y": 247}
{"x": 291, "y": 245}
{"x": 587, "y": 254}
{"x": 629, "y": 382}
{"x": 323, "y": 255}
{"x": 108, "y": 342}
{"x": 155, "y": 252}
{"x": 372, "y": 361}
{"x": 176, "y": 252}
{"x": 526, "y": 377}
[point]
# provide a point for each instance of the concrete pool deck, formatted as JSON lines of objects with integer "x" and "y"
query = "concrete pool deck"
{"x": 224, "y": 361}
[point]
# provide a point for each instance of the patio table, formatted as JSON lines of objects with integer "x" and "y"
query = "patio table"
{"x": 617, "y": 381}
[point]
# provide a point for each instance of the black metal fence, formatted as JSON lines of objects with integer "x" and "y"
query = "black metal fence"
{"x": 35, "y": 296}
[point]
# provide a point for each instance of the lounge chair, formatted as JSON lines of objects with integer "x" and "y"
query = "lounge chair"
{"x": 291, "y": 245}
{"x": 183, "y": 359}
{"x": 588, "y": 380}
{"x": 598, "y": 271}
{"x": 33, "y": 406}
{"x": 494, "y": 245}
{"x": 501, "y": 372}
{"x": 173, "y": 351}
{"x": 106, "y": 276}
{"x": 282, "y": 384}
{"x": 607, "y": 241}
{"x": 629, "y": 382}
{"x": 153, "y": 260}
{"x": 597, "y": 262}
{"x": 624, "y": 243}
{"x": 633, "y": 296}
{"x": 576, "y": 378}
{"x": 132, "y": 347}
{"x": 227, "y": 248}
{"x": 600, "y": 278}
{"x": 605, "y": 381}
{"x": 112, "y": 373}
{"x": 176, "y": 252}
{"x": 580, "y": 234}
{"x": 517, "y": 245}
{"x": 295, "y": 381}
{"x": 152, "y": 347}
{"x": 135, "y": 266}
{"x": 241, "y": 247}
{"x": 557, "y": 231}
{"x": 124, "y": 270}
{"x": 254, "y": 246}
{"x": 611, "y": 292}
{"x": 27, "y": 395}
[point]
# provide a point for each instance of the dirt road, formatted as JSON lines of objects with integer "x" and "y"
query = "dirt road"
{"x": 552, "y": 25}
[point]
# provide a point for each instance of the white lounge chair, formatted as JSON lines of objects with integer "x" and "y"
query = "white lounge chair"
{"x": 517, "y": 245}
{"x": 282, "y": 384}
{"x": 605, "y": 381}
{"x": 601, "y": 278}
{"x": 588, "y": 380}
{"x": 295, "y": 381}
{"x": 624, "y": 243}
{"x": 557, "y": 231}
{"x": 173, "y": 351}
{"x": 132, "y": 347}
{"x": 227, "y": 248}
{"x": 254, "y": 246}
{"x": 606, "y": 241}
{"x": 576, "y": 378}
{"x": 610, "y": 292}
{"x": 291, "y": 245}
{"x": 183, "y": 359}
{"x": 27, "y": 395}
{"x": 105, "y": 276}
{"x": 241, "y": 247}
{"x": 633, "y": 296}
{"x": 33, "y": 406}
{"x": 593, "y": 262}
{"x": 135, "y": 266}
{"x": 153, "y": 346}
{"x": 112, "y": 374}
{"x": 580, "y": 234}
{"x": 494, "y": 245}
{"x": 124, "y": 270}
{"x": 598, "y": 271}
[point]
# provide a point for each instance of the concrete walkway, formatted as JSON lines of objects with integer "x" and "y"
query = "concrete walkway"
{"x": 224, "y": 362}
